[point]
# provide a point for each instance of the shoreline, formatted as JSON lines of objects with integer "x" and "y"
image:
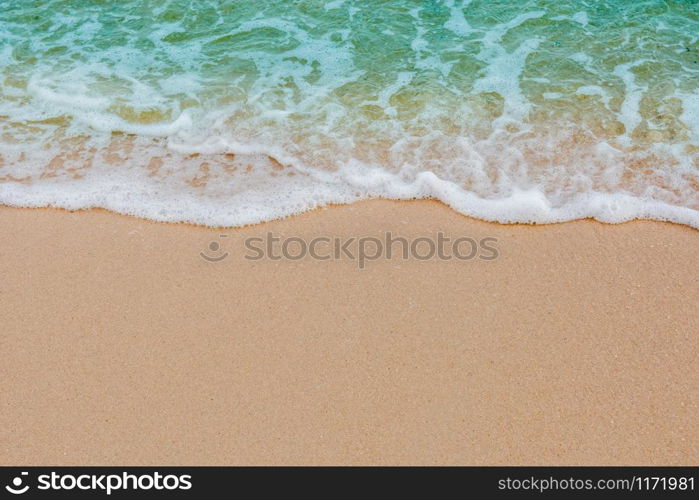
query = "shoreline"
{"x": 321, "y": 208}
{"x": 577, "y": 345}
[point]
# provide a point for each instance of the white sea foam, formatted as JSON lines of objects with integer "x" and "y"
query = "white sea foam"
{"x": 271, "y": 200}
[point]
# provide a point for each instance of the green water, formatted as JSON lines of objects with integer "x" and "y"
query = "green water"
{"x": 566, "y": 98}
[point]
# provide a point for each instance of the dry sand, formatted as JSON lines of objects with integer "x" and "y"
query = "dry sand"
{"x": 121, "y": 345}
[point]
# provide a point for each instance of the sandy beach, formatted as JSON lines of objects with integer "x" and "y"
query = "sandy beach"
{"x": 121, "y": 344}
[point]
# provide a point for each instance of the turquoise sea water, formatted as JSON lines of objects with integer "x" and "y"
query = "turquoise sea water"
{"x": 234, "y": 112}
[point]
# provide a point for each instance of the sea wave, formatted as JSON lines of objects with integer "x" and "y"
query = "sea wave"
{"x": 234, "y": 113}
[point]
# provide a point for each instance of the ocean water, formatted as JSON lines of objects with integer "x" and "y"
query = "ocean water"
{"x": 234, "y": 112}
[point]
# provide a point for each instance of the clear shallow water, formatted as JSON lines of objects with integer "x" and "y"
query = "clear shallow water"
{"x": 229, "y": 113}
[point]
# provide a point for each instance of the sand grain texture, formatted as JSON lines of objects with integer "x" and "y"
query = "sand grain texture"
{"x": 120, "y": 345}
